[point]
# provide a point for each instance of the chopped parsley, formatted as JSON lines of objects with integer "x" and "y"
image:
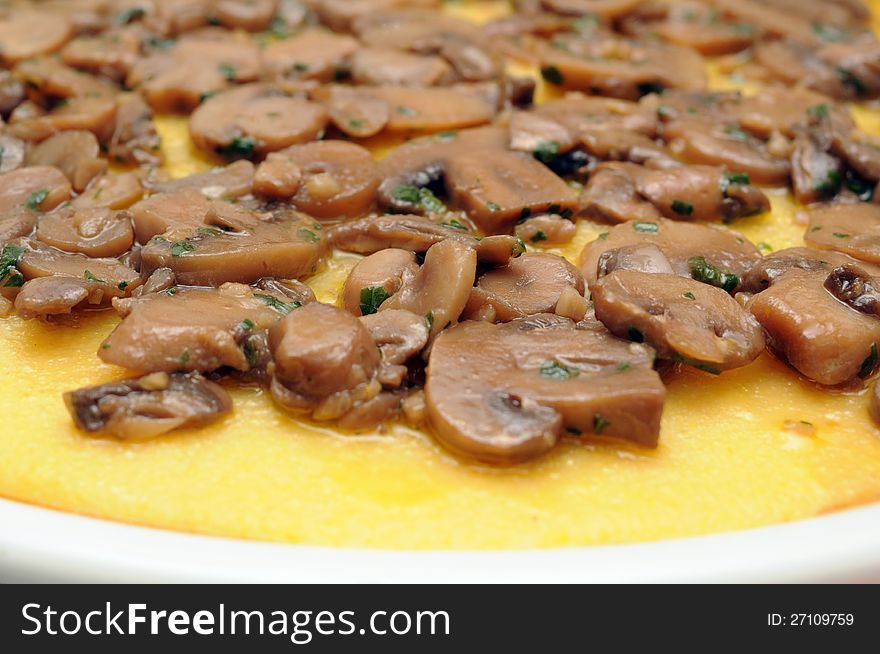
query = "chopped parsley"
{"x": 300, "y": 67}
{"x": 765, "y": 247}
{"x": 405, "y": 111}
{"x": 422, "y": 197}
{"x": 181, "y": 247}
{"x": 122, "y": 286}
{"x": 703, "y": 271}
{"x": 449, "y": 135}
{"x": 372, "y": 298}
{"x": 518, "y": 248}
{"x": 247, "y": 324}
{"x": 699, "y": 365}
{"x": 552, "y": 74}
{"x": 8, "y": 261}
{"x": 646, "y": 226}
{"x": 728, "y": 179}
{"x": 841, "y": 235}
{"x": 546, "y": 151}
{"x": 651, "y": 87}
{"x": 278, "y": 305}
{"x": 240, "y": 146}
{"x": 828, "y": 32}
{"x": 184, "y": 358}
{"x": 819, "y": 111}
{"x": 308, "y": 235}
{"x": 869, "y": 363}
{"x": 600, "y": 424}
{"x": 626, "y": 365}
{"x": 454, "y": 224}
{"x": 89, "y": 277}
{"x": 736, "y": 132}
{"x": 129, "y": 15}
{"x": 227, "y": 70}
{"x": 36, "y": 199}
{"x": 429, "y": 319}
{"x": 493, "y": 206}
{"x": 689, "y": 296}
{"x": 847, "y": 78}
{"x": 831, "y": 184}
{"x": 357, "y": 123}
{"x": 635, "y": 335}
{"x": 538, "y": 237}
{"x": 682, "y": 208}
{"x": 556, "y": 370}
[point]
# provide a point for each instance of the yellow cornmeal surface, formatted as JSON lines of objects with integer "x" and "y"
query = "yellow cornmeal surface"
{"x": 725, "y": 461}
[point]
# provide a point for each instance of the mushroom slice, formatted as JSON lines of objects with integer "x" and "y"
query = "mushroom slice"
{"x": 620, "y": 68}
{"x": 772, "y": 266}
{"x": 823, "y": 338}
{"x": 441, "y": 287}
{"x": 26, "y": 33}
{"x": 432, "y": 109}
{"x": 530, "y": 284}
{"x": 353, "y": 111}
{"x": 684, "y": 320}
{"x": 505, "y": 393}
{"x": 228, "y": 182}
{"x": 117, "y": 191}
{"x": 135, "y": 409}
{"x": 699, "y": 141}
{"x": 45, "y": 297}
{"x": 611, "y": 195}
{"x": 254, "y": 119}
{"x": 324, "y": 361}
{"x": 607, "y": 9}
{"x": 580, "y": 113}
{"x": 784, "y": 109}
{"x": 701, "y": 251}
{"x": 12, "y": 152}
{"x": 250, "y": 15}
{"x": 400, "y": 336}
{"x": 75, "y": 153}
{"x": 277, "y": 177}
{"x": 36, "y": 188}
{"x": 113, "y": 277}
{"x": 111, "y": 54}
{"x": 339, "y": 179}
{"x": 546, "y": 229}
{"x": 134, "y": 139}
{"x": 815, "y": 174}
{"x": 179, "y": 78}
{"x": 287, "y": 245}
{"x": 420, "y": 162}
{"x": 384, "y": 65}
{"x": 533, "y": 133}
{"x": 700, "y": 27}
{"x": 497, "y": 190}
{"x": 376, "y": 278}
{"x": 96, "y": 232}
{"x": 313, "y": 54}
{"x": 191, "y": 329}
{"x": 342, "y": 15}
{"x": 853, "y": 229}
{"x": 622, "y": 145}
{"x": 856, "y": 288}
{"x": 646, "y": 258}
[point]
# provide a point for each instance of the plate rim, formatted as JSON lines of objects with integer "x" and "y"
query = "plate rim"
{"x": 39, "y": 544}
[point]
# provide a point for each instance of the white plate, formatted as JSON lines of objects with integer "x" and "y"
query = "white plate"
{"x": 39, "y": 545}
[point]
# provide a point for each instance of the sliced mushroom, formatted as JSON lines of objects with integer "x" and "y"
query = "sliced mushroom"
{"x": 376, "y": 278}
{"x": 646, "y": 258}
{"x": 770, "y": 20}
{"x": 441, "y": 287}
{"x": 250, "y": 15}
{"x": 400, "y": 336}
{"x": 117, "y": 191}
{"x": 607, "y": 9}
{"x": 853, "y": 229}
{"x": 684, "y": 320}
{"x": 497, "y": 190}
{"x": 134, "y": 139}
{"x": 12, "y": 93}
{"x": 234, "y": 245}
{"x": 75, "y": 153}
{"x": 546, "y": 229}
{"x": 699, "y": 141}
{"x": 784, "y": 109}
{"x": 692, "y": 250}
{"x": 611, "y": 195}
{"x": 353, "y": 111}
{"x": 27, "y": 32}
{"x": 384, "y": 65}
{"x": 772, "y": 266}
{"x": 856, "y": 288}
{"x": 114, "y": 278}
{"x": 341, "y": 15}
{"x": 700, "y": 27}
{"x": 277, "y": 177}
{"x": 111, "y": 54}
{"x": 179, "y": 78}
{"x": 136, "y": 409}
{"x": 530, "y": 284}
{"x": 190, "y": 329}
{"x": 11, "y": 153}
{"x": 820, "y": 336}
{"x": 506, "y": 393}
{"x": 232, "y": 181}
{"x": 55, "y": 295}
{"x": 620, "y": 68}
{"x": 815, "y": 174}
{"x": 580, "y": 113}
{"x": 38, "y": 188}
{"x": 96, "y": 232}
{"x": 313, "y": 54}
{"x": 339, "y": 179}
{"x": 324, "y": 361}
{"x": 533, "y": 133}
{"x": 254, "y": 119}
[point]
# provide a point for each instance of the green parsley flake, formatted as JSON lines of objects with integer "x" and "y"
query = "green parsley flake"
{"x": 181, "y": 247}
{"x": 36, "y": 199}
{"x": 556, "y": 370}
{"x": 600, "y": 424}
{"x": 372, "y": 298}
{"x": 703, "y": 271}
{"x": 682, "y": 208}
{"x": 552, "y": 74}
{"x": 646, "y": 226}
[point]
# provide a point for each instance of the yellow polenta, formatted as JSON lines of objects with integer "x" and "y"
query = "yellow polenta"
{"x": 730, "y": 456}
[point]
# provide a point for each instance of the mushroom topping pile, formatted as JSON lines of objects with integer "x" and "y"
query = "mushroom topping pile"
{"x": 387, "y": 146}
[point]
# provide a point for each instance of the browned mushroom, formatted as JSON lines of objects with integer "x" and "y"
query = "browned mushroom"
{"x": 191, "y": 329}
{"x": 75, "y": 153}
{"x": 855, "y": 287}
{"x": 815, "y": 174}
{"x": 250, "y": 15}
{"x": 137, "y": 409}
{"x": 611, "y": 196}
{"x": 338, "y": 179}
{"x": 580, "y": 113}
{"x": 506, "y": 393}
{"x": 608, "y": 9}
{"x": 38, "y": 188}
{"x": 783, "y": 109}
{"x": 325, "y": 362}
{"x": 232, "y": 181}
{"x": 277, "y": 177}
{"x": 853, "y": 229}
{"x": 771, "y": 20}
{"x": 180, "y": 77}
{"x": 497, "y": 190}
{"x": 683, "y": 319}
{"x": 384, "y": 65}
{"x": 254, "y": 119}
{"x": 111, "y": 54}
{"x": 26, "y": 32}
{"x": 114, "y": 278}
{"x": 823, "y": 338}
{"x": 11, "y": 153}
{"x": 56, "y": 295}
{"x": 772, "y": 266}
{"x": 695, "y": 25}
{"x": 399, "y": 335}
{"x": 353, "y": 111}
{"x": 376, "y": 278}
{"x": 12, "y": 93}
{"x": 718, "y": 256}
{"x": 530, "y": 284}
{"x": 96, "y": 232}
{"x": 646, "y": 258}
{"x": 340, "y": 15}
{"x": 441, "y": 287}
{"x": 235, "y": 245}
{"x": 134, "y": 139}
{"x": 117, "y": 191}
{"x": 620, "y": 68}
{"x": 313, "y": 54}
{"x": 546, "y": 229}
